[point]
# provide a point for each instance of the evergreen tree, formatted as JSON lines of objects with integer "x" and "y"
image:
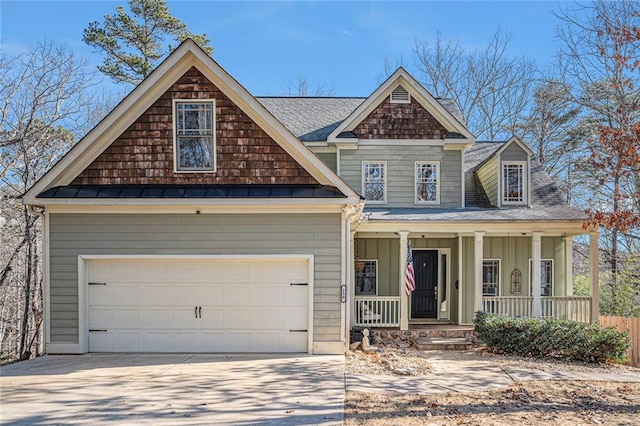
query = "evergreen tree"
{"x": 133, "y": 44}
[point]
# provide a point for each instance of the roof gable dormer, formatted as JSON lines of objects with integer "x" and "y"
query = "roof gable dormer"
{"x": 401, "y": 109}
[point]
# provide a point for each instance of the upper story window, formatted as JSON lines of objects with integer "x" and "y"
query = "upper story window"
{"x": 374, "y": 181}
{"x": 514, "y": 182}
{"x": 490, "y": 277}
{"x": 194, "y": 148}
{"x": 427, "y": 182}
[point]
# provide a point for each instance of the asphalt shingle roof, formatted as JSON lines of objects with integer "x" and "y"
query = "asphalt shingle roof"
{"x": 314, "y": 118}
{"x": 310, "y": 119}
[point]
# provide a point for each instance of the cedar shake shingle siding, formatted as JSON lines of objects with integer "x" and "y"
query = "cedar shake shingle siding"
{"x": 400, "y": 121}
{"x": 143, "y": 154}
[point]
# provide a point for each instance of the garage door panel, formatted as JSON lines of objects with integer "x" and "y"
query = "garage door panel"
{"x": 239, "y": 295}
{"x": 212, "y": 317}
{"x": 126, "y": 318}
{"x": 124, "y": 341}
{"x": 101, "y": 342}
{"x": 101, "y": 293}
{"x": 198, "y": 305}
{"x": 185, "y": 341}
{"x": 125, "y": 271}
{"x": 154, "y": 341}
{"x": 101, "y": 318}
{"x": 125, "y": 294}
{"x": 210, "y": 342}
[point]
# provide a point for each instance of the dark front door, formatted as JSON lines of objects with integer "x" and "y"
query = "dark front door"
{"x": 424, "y": 299}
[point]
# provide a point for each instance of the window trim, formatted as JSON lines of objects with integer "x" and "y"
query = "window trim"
{"x": 355, "y": 283}
{"x": 553, "y": 280}
{"x": 525, "y": 183}
{"x": 415, "y": 183}
{"x": 499, "y": 283}
{"x": 176, "y": 168}
{"x": 384, "y": 183}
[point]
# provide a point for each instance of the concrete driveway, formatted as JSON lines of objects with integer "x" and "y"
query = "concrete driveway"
{"x": 173, "y": 389}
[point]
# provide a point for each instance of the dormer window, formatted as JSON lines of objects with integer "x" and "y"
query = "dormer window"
{"x": 514, "y": 182}
{"x": 194, "y": 140}
{"x": 400, "y": 95}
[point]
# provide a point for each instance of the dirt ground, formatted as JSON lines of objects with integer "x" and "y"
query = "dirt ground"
{"x": 524, "y": 403}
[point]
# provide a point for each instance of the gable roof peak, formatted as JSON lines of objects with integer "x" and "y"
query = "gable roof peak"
{"x": 401, "y": 76}
{"x": 186, "y": 56}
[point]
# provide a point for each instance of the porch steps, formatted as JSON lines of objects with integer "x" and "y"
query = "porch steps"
{"x": 443, "y": 343}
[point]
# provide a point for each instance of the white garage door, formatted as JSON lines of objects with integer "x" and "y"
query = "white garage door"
{"x": 198, "y": 305}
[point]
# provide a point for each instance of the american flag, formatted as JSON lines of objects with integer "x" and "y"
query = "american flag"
{"x": 410, "y": 275}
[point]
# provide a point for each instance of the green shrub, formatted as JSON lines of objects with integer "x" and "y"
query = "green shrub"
{"x": 542, "y": 337}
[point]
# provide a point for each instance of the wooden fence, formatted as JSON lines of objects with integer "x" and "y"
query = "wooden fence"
{"x": 631, "y": 324}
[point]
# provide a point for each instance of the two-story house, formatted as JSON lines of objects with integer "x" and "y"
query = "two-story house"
{"x": 198, "y": 218}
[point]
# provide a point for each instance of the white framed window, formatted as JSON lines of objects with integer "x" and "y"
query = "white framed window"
{"x": 374, "y": 181}
{"x": 514, "y": 182}
{"x": 427, "y": 182}
{"x": 491, "y": 277}
{"x": 546, "y": 277}
{"x": 194, "y": 135}
{"x": 366, "y": 277}
{"x": 400, "y": 95}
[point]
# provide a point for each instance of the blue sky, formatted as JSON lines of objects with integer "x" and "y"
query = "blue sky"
{"x": 266, "y": 45}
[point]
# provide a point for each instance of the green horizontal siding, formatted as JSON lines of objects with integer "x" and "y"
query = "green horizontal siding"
{"x": 401, "y": 172}
{"x": 151, "y": 234}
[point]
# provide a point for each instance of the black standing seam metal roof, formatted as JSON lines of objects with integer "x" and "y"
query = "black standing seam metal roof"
{"x": 192, "y": 191}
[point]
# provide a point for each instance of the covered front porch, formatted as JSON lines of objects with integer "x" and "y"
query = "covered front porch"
{"x": 460, "y": 273}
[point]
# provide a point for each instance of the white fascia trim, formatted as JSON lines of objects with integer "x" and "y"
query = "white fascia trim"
{"x": 192, "y": 201}
{"x": 83, "y": 294}
{"x": 396, "y": 142}
{"x": 194, "y": 209}
{"x": 314, "y": 144}
{"x": 549, "y": 228}
{"x": 415, "y": 89}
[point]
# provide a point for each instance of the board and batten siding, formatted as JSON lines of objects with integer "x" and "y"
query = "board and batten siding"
{"x": 488, "y": 176}
{"x": 513, "y": 252}
{"x": 401, "y": 172}
{"x": 231, "y": 234}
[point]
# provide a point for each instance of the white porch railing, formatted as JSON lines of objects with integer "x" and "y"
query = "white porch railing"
{"x": 574, "y": 308}
{"x": 376, "y": 311}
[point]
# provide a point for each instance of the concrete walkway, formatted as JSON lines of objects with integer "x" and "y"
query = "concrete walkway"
{"x": 173, "y": 389}
{"x": 460, "y": 375}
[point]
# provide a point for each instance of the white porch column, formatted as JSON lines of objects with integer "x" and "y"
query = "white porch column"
{"x": 351, "y": 281}
{"x": 404, "y": 299}
{"x": 536, "y": 285}
{"x": 594, "y": 272}
{"x": 568, "y": 264}
{"x": 478, "y": 256}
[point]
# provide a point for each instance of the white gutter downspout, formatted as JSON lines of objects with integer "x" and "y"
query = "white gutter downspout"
{"x": 40, "y": 211}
